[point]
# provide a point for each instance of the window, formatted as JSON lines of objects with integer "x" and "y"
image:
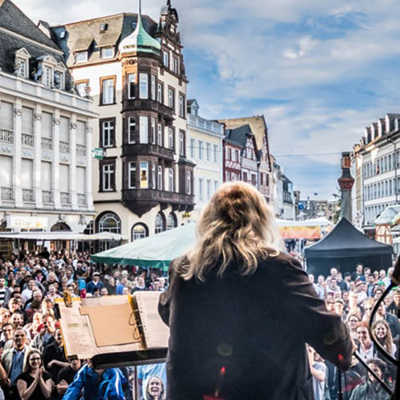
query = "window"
{"x": 131, "y": 130}
{"x": 59, "y": 80}
{"x": 215, "y": 148}
{"x": 45, "y": 176}
{"x": 81, "y": 56}
{"x": 143, "y": 85}
{"x": 170, "y": 138}
{"x": 47, "y": 77}
{"x": 144, "y": 129}
{"x": 153, "y": 175}
{"x": 159, "y": 135}
{"x": 144, "y": 175}
{"x": 171, "y": 221}
{"x": 166, "y": 59}
{"x": 200, "y": 150}
{"x": 171, "y": 98}
{"x": 132, "y": 175}
{"x": 215, "y": 186}
{"x": 153, "y": 130}
{"x": 188, "y": 182}
{"x": 21, "y": 67}
{"x": 182, "y": 151}
{"x": 160, "y": 223}
{"x": 64, "y": 178}
{"x": 107, "y": 52}
{"x": 237, "y": 155}
{"x": 81, "y": 180}
{"x": 208, "y": 189}
{"x": 245, "y": 176}
{"x": 82, "y": 88}
{"x": 108, "y": 91}
{"x": 27, "y": 121}
{"x": 160, "y": 182}
{"x": 171, "y": 179}
{"x": 139, "y": 231}
{"x": 26, "y": 177}
{"x": 208, "y": 151}
{"x": 192, "y": 145}
{"x": 108, "y": 177}
{"x": 107, "y": 137}
{"x": 229, "y": 157}
{"x": 201, "y": 188}
{"x": 176, "y": 65}
{"x": 131, "y": 86}
{"x": 109, "y": 222}
{"x": 182, "y": 106}
{"x": 153, "y": 87}
{"x": 160, "y": 93}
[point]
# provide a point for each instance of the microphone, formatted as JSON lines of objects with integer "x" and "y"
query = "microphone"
{"x": 396, "y": 273}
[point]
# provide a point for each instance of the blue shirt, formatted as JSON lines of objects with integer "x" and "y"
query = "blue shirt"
{"x": 17, "y": 365}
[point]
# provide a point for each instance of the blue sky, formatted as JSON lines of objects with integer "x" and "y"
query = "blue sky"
{"x": 320, "y": 71}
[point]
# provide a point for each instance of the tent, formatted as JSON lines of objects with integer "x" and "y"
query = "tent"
{"x": 345, "y": 247}
{"x": 156, "y": 251}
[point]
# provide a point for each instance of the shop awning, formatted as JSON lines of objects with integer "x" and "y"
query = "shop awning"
{"x": 51, "y": 236}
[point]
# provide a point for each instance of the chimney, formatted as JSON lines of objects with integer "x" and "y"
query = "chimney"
{"x": 346, "y": 182}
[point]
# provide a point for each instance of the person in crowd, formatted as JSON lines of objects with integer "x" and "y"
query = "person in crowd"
{"x": 67, "y": 375}
{"x": 358, "y": 274}
{"x": 155, "y": 389}
{"x": 366, "y": 348}
{"x": 14, "y": 361}
{"x": 238, "y": 257}
{"x": 5, "y": 292}
{"x": 394, "y": 307}
{"x": 54, "y": 356}
{"x": 96, "y": 384}
{"x": 353, "y": 321}
{"x": 392, "y": 321}
{"x": 34, "y": 383}
{"x": 372, "y": 389}
{"x": 383, "y": 334}
{"x": 95, "y": 283}
{"x": 318, "y": 372}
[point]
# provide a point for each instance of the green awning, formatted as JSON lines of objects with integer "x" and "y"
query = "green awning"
{"x": 155, "y": 251}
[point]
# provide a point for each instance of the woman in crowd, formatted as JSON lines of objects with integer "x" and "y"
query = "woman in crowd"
{"x": 155, "y": 389}
{"x": 383, "y": 335}
{"x": 220, "y": 297}
{"x": 34, "y": 383}
{"x": 352, "y": 321}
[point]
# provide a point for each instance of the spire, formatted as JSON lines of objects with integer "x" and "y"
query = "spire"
{"x": 169, "y": 3}
{"x": 139, "y": 39}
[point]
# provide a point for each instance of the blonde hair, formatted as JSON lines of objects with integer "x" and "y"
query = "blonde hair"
{"x": 236, "y": 225}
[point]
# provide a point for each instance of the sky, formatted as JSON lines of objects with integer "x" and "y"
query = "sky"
{"x": 319, "y": 71}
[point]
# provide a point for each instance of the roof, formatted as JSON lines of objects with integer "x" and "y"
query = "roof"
{"x": 238, "y": 136}
{"x": 119, "y": 27}
{"x": 388, "y": 215}
{"x": 13, "y": 19}
{"x": 22, "y": 25}
{"x": 346, "y": 241}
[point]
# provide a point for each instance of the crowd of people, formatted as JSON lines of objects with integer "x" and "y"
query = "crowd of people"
{"x": 33, "y": 363}
{"x": 353, "y": 296}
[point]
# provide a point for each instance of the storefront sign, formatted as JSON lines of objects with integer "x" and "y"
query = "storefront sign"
{"x": 25, "y": 222}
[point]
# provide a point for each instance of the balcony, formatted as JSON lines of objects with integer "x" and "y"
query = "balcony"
{"x": 148, "y": 105}
{"x": 142, "y": 200}
{"x": 64, "y": 147}
{"x": 27, "y": 140}
{"x": 27, "y": 196}
{"x": 47, "y": 143}
{"x": 148, "y": 149}
{"x": 6, "y": 136}
{"x": 82, "y": 201}
{"x": 7, "y": 193}
{"x": 65, "y": 199}
{"x": 47, "y": 197}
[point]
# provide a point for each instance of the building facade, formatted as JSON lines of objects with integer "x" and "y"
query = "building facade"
{"x": 205, "y": 150}
{"x": 232, "y": 157}
{"x": 375, "y": 167}
{"x": 132, "y": 67}
{"x": 45, "y": 133}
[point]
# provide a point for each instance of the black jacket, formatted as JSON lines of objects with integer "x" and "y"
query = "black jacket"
{"x": 256, "y": 327}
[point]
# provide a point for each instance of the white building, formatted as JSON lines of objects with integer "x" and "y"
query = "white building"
{"x": 205, "y": 150}
{"x": 133, "y": 69}
{"x": 376, "y": 170}
{"x": 45, "y": 133}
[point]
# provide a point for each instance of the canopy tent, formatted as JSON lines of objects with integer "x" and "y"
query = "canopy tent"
{"x": 156, "y": 251}
{"x": 61, "y": 235}
{"x": 345, "y": 247}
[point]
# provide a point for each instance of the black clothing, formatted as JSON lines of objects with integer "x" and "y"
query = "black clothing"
{"x": 67, "y": 374}
{"x": 255, "y": 326}
{"x": 37, "y": 393}
{"x": 53, "y": 352}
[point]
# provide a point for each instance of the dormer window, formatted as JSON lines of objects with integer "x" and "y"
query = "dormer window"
{"x": 81, "y": 56}
{"x": 107, "y": 52}
{"x": 103, "y": 27}
{"x": 59, "y": 80}
{"x": 21, "y": 66}
{"x": 47, "y": 77}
